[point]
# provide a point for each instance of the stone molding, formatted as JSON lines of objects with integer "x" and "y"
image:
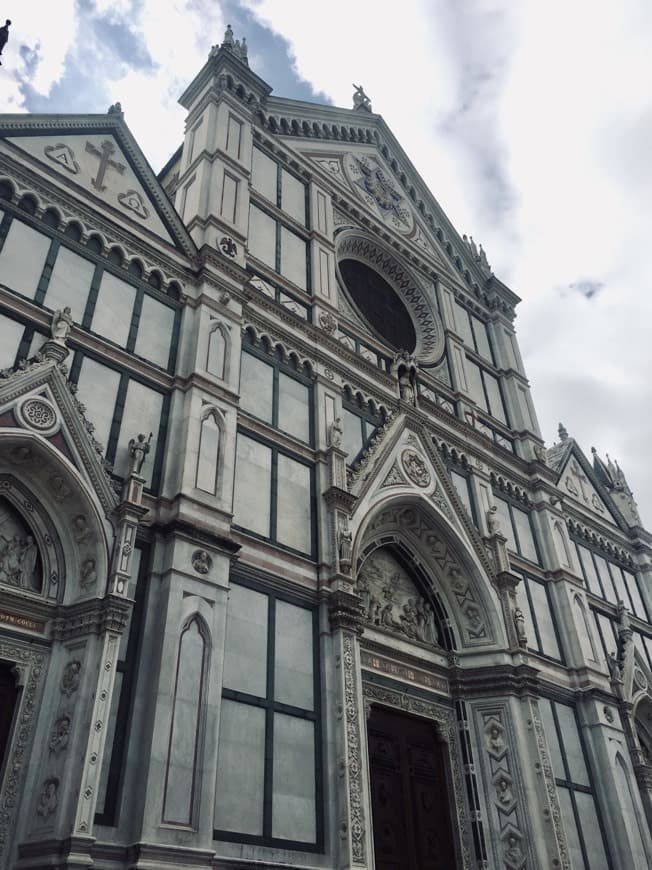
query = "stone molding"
{"x": 31, "y": 662}
{"x": 95, "y": 616}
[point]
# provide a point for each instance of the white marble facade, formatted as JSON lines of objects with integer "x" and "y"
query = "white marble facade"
{"x": 340, "y": 514}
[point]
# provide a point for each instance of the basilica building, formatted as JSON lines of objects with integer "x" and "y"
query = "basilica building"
{"x": 288, "y": 577}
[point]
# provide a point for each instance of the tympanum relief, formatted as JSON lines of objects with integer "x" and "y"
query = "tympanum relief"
{"x": 20, "y": 564}
{"x": 391, "y": 601}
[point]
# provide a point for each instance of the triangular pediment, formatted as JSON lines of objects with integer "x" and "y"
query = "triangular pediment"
{"x": 402, "y": 461}
{"x": 578, "y": 482}
{"x": 37, "y": 404}
{"x": 96, "y": 158}
{"x": 363, "y": 173}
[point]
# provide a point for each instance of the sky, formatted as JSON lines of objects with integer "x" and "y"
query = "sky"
{"x": 530, "y": 121}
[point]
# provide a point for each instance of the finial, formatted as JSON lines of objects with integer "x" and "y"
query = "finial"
{"x": 563, "y": 432}
{"x": 360, "y": 99}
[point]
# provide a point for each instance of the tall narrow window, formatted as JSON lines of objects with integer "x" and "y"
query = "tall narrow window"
{"x": 184, "y": 745}
{"x": 209, "y": 452}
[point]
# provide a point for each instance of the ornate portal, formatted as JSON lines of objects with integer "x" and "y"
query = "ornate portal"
{"x": 392, "y": 602}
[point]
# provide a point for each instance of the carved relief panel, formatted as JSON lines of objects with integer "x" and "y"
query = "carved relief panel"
{"x": 392, "y": 601}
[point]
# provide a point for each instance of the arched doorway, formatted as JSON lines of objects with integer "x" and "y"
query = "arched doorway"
{"x": 9, "y": 692}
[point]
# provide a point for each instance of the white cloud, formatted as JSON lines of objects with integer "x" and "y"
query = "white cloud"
{"x": 45, "y": 32}
{"x": 531, "y": 123}
{"x": 554, "y": 99}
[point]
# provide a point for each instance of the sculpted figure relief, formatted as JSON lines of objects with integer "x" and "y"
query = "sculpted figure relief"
{"x": 19, "y": 558}
{"x": 392, "y": 601}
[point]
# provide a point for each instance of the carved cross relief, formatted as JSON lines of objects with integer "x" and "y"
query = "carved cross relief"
{"x": 103, "y": 153}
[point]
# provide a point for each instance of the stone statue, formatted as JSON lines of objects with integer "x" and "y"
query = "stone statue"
{"x": 519, "y": 624}
{"x": 360, "y": 99}
{"x": 228, "y": 37}
{"x": 493, "y": 524}
{"x": 563, "y": 432}
{"x": 138, "y": 450}
{"x": 345, "y": 543}
{"x": 335, "y": 433}
{"x": 405, "y": 388}
{"x": 61, "y": 325}
{"x": 4, "y": 35}
{"x": 614, "y": 668}
{"x": 115, "y": 109}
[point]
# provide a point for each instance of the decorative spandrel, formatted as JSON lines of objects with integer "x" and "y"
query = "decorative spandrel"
{"x": 392, "y": 601}
{"x": 20, "y": 562}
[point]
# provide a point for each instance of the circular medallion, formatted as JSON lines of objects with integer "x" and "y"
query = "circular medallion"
{"x": 415, "y": 468}
{"x": 38, "y": 413}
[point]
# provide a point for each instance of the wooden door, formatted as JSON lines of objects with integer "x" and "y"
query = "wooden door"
{"x": 409, "y": 794}
{"x": 8, "y": 697}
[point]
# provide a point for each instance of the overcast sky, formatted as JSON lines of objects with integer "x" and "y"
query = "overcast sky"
{"x": 531, "y": 122}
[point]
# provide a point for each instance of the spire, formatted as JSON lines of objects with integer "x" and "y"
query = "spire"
{"x": 235, "y": 46}
{"x": 602, "y": 470}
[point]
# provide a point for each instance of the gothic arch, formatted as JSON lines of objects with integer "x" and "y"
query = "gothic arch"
{"x": 62, "y": 512}
{"x": 470, "y": 607}
{"x": 210, "y": 449}
{"x": 218, "y": 351}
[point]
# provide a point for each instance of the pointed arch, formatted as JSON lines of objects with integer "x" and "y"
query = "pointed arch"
{"x": 635, "y": 828}
{"x": 186, "y": 736}
{"x": 211, "y": 436}
{"x": 470, "y": 608}
{"x": 218, "y": 350}
{"x": 585, "y": 634}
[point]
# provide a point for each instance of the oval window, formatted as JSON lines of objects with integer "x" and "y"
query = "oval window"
{"x": 379, "y": 304}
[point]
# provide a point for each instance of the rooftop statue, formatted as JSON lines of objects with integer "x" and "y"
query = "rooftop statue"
{"x": 235, "y": 46}
{"x": 360, "y": 99}
{"x": 4, "y": 35}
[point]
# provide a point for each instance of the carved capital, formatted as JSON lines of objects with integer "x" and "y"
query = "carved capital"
{"x": 345, "y": 610}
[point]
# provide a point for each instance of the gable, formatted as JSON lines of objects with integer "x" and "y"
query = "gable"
{"x": 366, "y": 176}
{"x": 577, "y": 483}
{"x": 97, "y": 163}
{"x": 97, "y": 158}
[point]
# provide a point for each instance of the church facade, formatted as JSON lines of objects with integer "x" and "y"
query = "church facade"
{"x": 288, "y": 577}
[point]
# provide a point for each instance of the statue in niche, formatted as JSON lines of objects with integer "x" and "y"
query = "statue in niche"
{"x": 138, "y": 450}
{"x": 61, "y": 324}
{"x": 346, "y": 548}
{"x": 519, "y": 625}
{"x": 335, "y": 433}
{"x": 391, "y": 600}
{"x": 20, "y": 563}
